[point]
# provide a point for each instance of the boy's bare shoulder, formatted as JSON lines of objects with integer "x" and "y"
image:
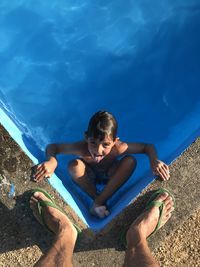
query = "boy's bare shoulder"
{"x": 121, "y": 147}
{"x": 76, "y": 148}
{"x": 80, "y": 147}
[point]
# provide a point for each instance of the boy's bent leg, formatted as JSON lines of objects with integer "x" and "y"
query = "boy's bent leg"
{"x": 81, "y": 175}
{"x": 122, "y": 173}
{"x": 138, "y": 252}
{"x": 60, "y": 253}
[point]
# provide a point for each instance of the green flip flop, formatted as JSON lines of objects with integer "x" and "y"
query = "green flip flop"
{"x": 150, "y": 204}
{"x": 160, "y": 204}
{"x": 41, "y": 204}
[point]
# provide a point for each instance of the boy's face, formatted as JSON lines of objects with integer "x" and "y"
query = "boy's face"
{"x": 100, "y": 148}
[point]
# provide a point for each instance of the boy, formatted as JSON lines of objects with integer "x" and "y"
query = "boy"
{"x": 98, "y": 160}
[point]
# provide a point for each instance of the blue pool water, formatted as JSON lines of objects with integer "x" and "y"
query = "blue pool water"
{"x": 61, "y": 61}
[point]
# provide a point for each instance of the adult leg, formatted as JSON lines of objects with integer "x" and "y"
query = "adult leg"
{"x": 138, "y": 253}
{"x": 61, "y": 252}
{"x": 122, "y": 173}
{"x": 83, "y": 176}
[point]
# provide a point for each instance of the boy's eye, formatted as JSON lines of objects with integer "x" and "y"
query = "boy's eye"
{"x": 106, "y": 144}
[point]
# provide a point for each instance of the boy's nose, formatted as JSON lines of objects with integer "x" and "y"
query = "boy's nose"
{"x": 100, "y": 149}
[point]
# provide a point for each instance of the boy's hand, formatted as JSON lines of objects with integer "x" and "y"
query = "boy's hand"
{"x": 44, "y": 170}
{"x": 160, "y": 169}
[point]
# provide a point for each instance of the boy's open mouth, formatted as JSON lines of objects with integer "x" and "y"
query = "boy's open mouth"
{"x": 97, "y": 157}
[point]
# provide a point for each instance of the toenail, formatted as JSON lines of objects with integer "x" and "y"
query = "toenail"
{"x": 36, "y": 194}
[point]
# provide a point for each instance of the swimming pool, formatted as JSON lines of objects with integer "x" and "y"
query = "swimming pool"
{"x": 62, "y": 61}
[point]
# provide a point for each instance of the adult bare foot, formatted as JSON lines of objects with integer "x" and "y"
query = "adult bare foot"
{"x": 145, "y": 224}
{"x": 56, "y": 221}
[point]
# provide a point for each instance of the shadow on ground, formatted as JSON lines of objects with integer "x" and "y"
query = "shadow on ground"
{"x": 19, "y": 229}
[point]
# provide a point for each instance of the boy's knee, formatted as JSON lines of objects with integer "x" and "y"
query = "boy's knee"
{"x": 76, "y": 167}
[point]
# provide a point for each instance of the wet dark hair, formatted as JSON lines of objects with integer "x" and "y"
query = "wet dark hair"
{"x": 102, "y": 124}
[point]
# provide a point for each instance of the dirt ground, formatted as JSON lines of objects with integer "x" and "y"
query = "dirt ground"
{"x": 182, "y": 248}
{"x": 23, "y": 240}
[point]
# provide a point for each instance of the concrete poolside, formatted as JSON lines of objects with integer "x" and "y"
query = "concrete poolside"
{"x": 23, "y": 239}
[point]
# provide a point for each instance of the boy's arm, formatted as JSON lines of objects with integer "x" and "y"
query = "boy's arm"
{"x": 158, "y": 167}
{"x": 52, "y": 150}
{"x": 47, "y": 168}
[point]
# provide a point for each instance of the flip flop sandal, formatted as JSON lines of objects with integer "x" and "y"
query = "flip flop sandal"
{"x": 160, "y": 204}
{"x": 150, "y": 204}
{"x": 43, "y": 204}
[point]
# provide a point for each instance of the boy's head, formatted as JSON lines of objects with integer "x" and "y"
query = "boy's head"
{"x": 101, "y": 134}
{"x": 102, "y": 124}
